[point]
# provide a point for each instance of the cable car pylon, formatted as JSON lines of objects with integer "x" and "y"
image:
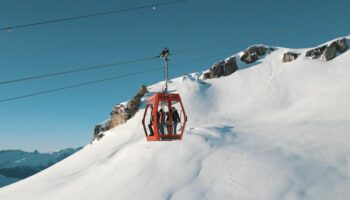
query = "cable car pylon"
{"x": 161, "y": 120}
{"x": 165, "y": 53}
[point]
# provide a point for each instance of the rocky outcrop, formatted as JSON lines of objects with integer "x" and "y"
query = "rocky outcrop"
{"x": 134, "y": 104}
{"x": 328, "y": 52}
{"x": 122, "y": 113}
{"x": 259, "y": 50}
{"x": 217, "y": 69}
{"x": 230, "y": 66}
{"x": 316, "y": 53}
{"x": 100, "y": 129}
{"x": 141, "y": 92}
{"x": 249, "y": 57}
{"x": 342, "y": 45}
{"x": 253, "y": 53}
{"x": 289, "y": 56}
{"x": 206, "y": 76}
{"x": 119, "y": 115}
{"x": 222, "y": 68}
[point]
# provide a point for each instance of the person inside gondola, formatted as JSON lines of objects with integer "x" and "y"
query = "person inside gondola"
{"x": 161, "y": 120}
{"x": 167, "y": 123}
{"x": 150, "y": 125}
{"x": 175, "y": 118}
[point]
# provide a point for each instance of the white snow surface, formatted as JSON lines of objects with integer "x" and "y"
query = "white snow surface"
{"x": 270, "y": 131}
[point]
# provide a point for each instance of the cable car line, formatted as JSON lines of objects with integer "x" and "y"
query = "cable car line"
{"x": 78, "y": 85}
{"x": 110, "y": 78}
{"x": 185, "y": 51}
{"x": 97, "y": 81}
{"x": 153, "y": 6}
{"x": 103, "y": 80}
{"x": 80, "y": 70}
{"x": 91, "y": 68}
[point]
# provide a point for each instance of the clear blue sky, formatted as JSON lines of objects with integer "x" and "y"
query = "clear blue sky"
{"x": 66, "y": 119}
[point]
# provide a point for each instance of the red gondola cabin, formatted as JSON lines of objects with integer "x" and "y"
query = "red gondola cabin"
{"x": 164, "y": 117}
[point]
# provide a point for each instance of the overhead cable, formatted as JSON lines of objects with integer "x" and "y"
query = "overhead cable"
{"x": 78, "y": 85}
{"x": 79, "y": 70}
{"x": 105, "y": 79}
{"x": 153, "y": 6}
{"x": 184, "y": 51}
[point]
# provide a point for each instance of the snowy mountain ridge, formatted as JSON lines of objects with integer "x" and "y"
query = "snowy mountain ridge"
{"x": 271, "y": 130}
{"x": 19, "y": 158}
{"x": 17, "y": 164}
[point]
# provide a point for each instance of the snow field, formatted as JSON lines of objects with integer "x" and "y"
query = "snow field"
{"x": 269, "y": 131}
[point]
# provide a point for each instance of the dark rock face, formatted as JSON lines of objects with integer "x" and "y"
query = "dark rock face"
{"x": 330, "y": 51}
{"x": 121, "y": 113}
{"x": 217, "y": 69}
{"x": 206, "y": 75}
{"x": 249, "y": 57}
{"x": 230, "y": 66}
{"x": 221, "y": 68}
{"x": 134, "y": 104}
{"x": 100, "y": 129}
{"x": 142, "y": 91}
{"x": 289, "y": 56}
{"x": 252, "y": 54}
{"x": 259, "y": 50}
{"x": 342, "y": 45}
{"x": 316, "y": 53}
{"x": 271, "y": 49}
{"x": 225, "y": 68}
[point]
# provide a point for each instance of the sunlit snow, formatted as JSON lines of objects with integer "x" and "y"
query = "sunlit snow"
{"x": 269, "y": 131}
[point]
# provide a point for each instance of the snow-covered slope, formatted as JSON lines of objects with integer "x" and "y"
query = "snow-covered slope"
{"x": 269, "y": 131}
